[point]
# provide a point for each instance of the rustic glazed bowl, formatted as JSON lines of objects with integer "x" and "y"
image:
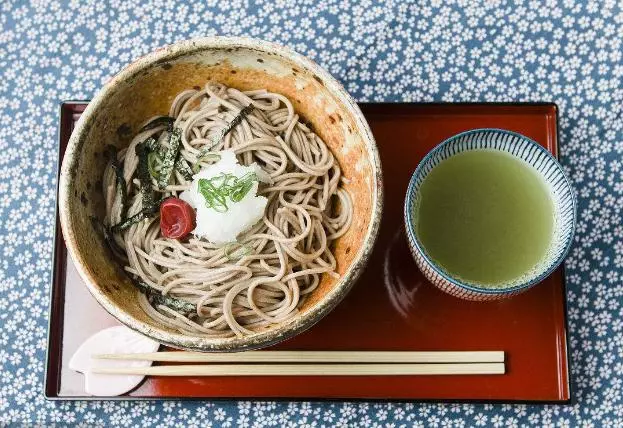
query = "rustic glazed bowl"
{"x": 544, "y": 164}
{"x": 146, "y": 88}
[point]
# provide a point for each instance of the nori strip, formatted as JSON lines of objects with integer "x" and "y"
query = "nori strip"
{"x": 147, "y": 192}
{"x": 153, "y": 161}
{"x": 159, "y": 121}
{"x": 168, "y": 161}
{"x": 106, "y": 232}
{"x": 141, "y": 215}
{"x": 231, "y": 125}
{"x": 151, "y": 144}
{"x": 156, "y": 298}
{"x": 121, "y": 187}
{"x": 182, "y": 166}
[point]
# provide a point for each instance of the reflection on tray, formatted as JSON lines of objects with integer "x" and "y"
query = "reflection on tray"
{"x": 401, "y": 293}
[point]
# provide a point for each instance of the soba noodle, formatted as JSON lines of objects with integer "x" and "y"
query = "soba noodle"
{"x": 263, "y": 278}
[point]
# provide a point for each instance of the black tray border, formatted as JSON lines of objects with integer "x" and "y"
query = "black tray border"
{"x": 51, "y": 380}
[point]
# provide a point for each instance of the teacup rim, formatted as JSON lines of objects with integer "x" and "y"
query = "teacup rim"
{"x": 433, "y": 265}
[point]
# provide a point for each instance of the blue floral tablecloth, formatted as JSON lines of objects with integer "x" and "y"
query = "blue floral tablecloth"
{"x": 568, "y": 51}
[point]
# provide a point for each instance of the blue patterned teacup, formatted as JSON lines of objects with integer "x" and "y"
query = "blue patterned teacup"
{"x": 523, "y": 148}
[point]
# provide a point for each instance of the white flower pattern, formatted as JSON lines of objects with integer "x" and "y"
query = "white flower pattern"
{"x": 569, "y": 52}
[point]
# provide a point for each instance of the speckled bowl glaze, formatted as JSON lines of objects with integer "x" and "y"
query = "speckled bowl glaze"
{"x": 523, "y": 148}
{"x": 146, "y": 88}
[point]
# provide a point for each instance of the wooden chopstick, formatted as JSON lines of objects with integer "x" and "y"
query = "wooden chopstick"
{"x": 318, "y": 357}
{"x": 308, "y": 369}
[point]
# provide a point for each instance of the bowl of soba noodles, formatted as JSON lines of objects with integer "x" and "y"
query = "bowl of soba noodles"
{"x": 221, "y": 194}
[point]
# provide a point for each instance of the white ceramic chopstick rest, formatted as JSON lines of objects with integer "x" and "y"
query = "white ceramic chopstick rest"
{"x": 112, "y": 340}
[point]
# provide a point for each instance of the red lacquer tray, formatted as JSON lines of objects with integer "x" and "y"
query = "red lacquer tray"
{"x": 392, "y": 307}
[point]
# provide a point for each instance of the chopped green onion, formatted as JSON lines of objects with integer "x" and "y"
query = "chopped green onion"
{"x": 196, "y": 168}
{"x": 208, "y": 157}
{"x": 242, "y": 186}
{"x": 243, "y": 250}
{"x": 215, "y": 199}
{"x": 217, "y": 189}
{"x": 154, "y": 162}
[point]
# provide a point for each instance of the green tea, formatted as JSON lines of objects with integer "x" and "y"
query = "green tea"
{"x": 485, "y": 217}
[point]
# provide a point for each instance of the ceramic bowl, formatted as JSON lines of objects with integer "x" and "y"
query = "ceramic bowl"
{"x": 523, "y": 148}
{"x": 146, "y": 88}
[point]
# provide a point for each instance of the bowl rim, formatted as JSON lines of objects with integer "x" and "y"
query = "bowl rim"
{"x": 411, "y": 192}
{"x": 283, "y": 330}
